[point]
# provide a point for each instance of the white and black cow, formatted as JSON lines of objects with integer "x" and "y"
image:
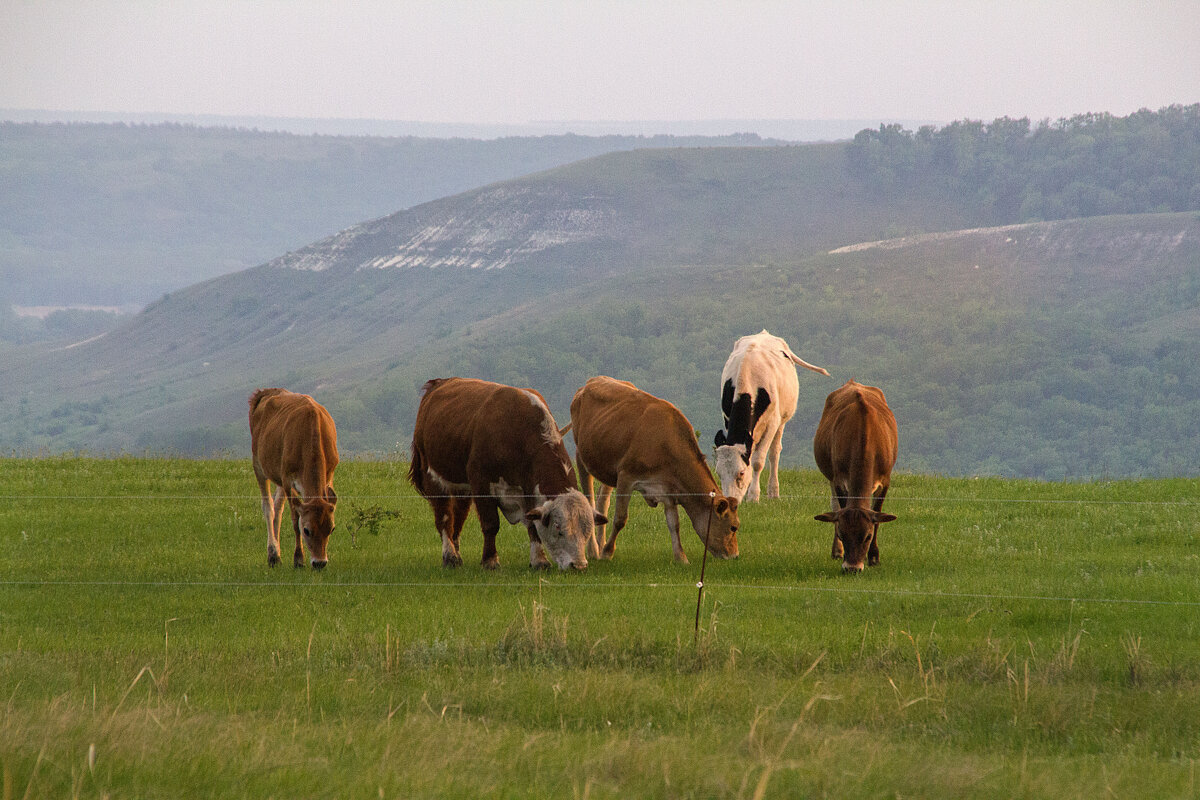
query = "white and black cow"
{"x": 759, "y": 389}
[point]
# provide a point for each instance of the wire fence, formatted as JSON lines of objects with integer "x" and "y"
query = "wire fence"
{"x": 412, "y": 496}
{"x": 821, "y": 498}
{"x": 583, "y": 585}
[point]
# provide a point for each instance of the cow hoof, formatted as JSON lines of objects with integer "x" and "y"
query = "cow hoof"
{"x": 451, "y": 561}
{"x": 681, "y": 558}
{"x": 273, "y": 559}
{"x": 492, "y": 564}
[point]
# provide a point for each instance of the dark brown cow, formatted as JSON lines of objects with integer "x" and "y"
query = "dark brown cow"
{"x": 294, "y": 446}
{"x": 855, "y": 447}
{"x": 500, "y": 447}
{"x": 636, "y": 442}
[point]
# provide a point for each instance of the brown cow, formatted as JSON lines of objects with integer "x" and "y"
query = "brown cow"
{"x": 855, "y": 447}
{"x": 499, "y": 446}
{"x": 636, "y": 442}
{"x": 294, "y": 446}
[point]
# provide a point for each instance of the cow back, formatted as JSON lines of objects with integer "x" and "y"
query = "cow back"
{"x": 758, "y": 375}
{"x": 856, "y": 440}
{"x": 293, "y": 439}
{"x": 468, "y": 428}
{"x": 620, "y": 428}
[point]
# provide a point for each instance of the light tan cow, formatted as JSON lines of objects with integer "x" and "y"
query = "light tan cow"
{"x": 633, "y": 441}
{"x": 855, "y": 448}
{"x": 294, "y": 446}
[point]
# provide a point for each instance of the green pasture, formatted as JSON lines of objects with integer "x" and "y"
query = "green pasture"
{"x": 1020, "y": 639}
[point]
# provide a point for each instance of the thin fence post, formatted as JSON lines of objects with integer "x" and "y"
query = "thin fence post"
{"x": 712, "y": 505}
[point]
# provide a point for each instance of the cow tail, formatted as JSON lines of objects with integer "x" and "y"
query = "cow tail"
{"x": 416, "y": 469}
{"x": 564, "y": 431}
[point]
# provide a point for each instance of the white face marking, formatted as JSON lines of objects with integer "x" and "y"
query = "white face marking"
{"x": 566, "y": 527}
{"x": 732, "y": 470}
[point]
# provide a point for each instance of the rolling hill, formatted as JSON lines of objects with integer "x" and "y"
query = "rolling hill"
{"x": 1051, "y": 349}
{"x": 117, "y": 214}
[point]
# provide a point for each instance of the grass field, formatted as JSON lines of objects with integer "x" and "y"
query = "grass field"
{"x": 1019, "y": 640}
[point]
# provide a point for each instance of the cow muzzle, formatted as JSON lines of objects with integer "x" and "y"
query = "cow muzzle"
{"x": 848, "y": 568}
{"x": 319, "y": 564}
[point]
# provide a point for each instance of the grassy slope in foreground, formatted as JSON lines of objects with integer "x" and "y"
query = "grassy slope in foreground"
{"x": 146, "y": 649}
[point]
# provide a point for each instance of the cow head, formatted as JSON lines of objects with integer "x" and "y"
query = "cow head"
{"x": 565, "y": 524}
{"x": 856, "y": 529}
{"x": 732, "y": 465}
{"x": 316, "y": 523}
{"x": 722, "y": 527}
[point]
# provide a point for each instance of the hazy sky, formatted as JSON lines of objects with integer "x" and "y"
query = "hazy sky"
{"x": 518, "y": 61}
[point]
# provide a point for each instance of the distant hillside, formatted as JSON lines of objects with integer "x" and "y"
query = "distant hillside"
{"x": 115, "y": 214}
{"x": 1052, "y": 349}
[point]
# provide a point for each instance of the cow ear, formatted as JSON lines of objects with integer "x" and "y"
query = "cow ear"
{"x": 600, "y": 519}
{"x": 733, "y": 504}
{"x": 828, "y": 516}
{"x": 745, "y": 453}
{"x": 722, "y": 505}
{"x": 882, "y": 517}
{"x": 719, "y": 439}
{"x": 331, "y": 495}
{"x": 534, "y": 515}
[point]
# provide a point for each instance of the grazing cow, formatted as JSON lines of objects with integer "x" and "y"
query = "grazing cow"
{"x": 294, "y": 446}
{"x": 855, "y": 447}
{"x": 499, "y": 447}
{"x": 634, "y": 441}
{"x": 758, "y": 396}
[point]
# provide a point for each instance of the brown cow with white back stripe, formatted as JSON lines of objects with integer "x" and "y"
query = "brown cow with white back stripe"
{"x": 855, "y": 448}
{"x": 498, "y": 447}
{"x": 294, "y": 446}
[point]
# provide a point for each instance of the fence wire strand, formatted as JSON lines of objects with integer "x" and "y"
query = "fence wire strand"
{"x": 583, "y": 584}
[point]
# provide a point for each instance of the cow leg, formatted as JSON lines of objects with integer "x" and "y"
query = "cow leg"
{"x": 588, "y": 486}
{"x": 838, "y": 553}
{"x": 537, "y": 556}
{"x": 277, "y": 523}
{"x": 877, "y": 505}
{"x": 776, "y": 449}
{"x": 298, "y": 555}
{"x": 489, "y": 520}
{"x": 598, "y": 533}
{"x": 268, "y": 512}
{"x": 444, "y": 517}
{"x": 624, "y": 489}
{"x": 673, "y": 527}
{"x": 758, "y": 460}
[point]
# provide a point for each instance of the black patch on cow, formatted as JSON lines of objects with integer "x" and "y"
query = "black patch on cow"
{"x": 761, "y": 401}
{"x": 741, "y": 417}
